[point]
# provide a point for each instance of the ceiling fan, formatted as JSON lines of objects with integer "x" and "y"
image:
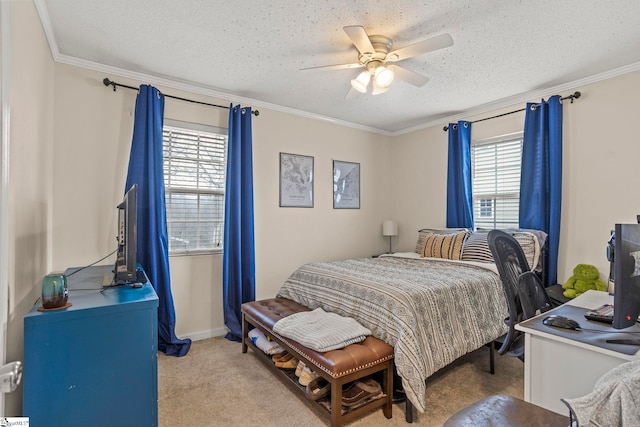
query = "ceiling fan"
{"x": 376, "y": 56}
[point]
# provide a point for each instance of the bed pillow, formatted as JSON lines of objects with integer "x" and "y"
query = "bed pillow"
{"x": 423, "y": 233}
{"x": 530, "y": 247}
{"x": 476, "y": 248}
{"x": 447, "y": 246}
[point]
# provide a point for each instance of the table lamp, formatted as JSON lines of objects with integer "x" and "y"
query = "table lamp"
{"x": 389, "y": 228}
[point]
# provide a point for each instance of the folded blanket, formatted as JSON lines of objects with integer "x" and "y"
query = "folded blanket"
{"x": 263, "y": 343}
{"x": 614, "y": 400}
{"x": 321, "y": 331}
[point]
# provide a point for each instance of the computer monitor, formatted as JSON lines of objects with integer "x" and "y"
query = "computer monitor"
{"x": 626, "y": 299}
{"x": 125, "y": 268}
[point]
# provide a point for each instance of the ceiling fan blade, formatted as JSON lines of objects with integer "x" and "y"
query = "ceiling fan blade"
{"x": 409, "y": 76}
{"x": 352, "y": 93}
{"x": 332, "y": 67}
{"x": 359, "y": 37}
{"x": 425, "y": 46}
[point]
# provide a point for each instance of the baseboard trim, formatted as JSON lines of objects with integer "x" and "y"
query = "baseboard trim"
{"x": 203, "y": 335}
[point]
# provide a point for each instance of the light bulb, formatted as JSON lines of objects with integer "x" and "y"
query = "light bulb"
{"x": 384, "y": 76}
{"x": 360, "y": 83}
{"x": 377, "y": 89}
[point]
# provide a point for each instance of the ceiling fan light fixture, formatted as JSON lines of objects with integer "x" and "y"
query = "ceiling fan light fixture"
{"x": 384, "y": 76}
{"x": 361, "y": 82}
{"x": 377, "y": 89}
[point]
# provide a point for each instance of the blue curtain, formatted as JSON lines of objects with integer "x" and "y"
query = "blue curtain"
{"x": 238, "y": 260}
{"x": 459, "y": 195}
{"x": 541, "y": 176}
{"x": 146, "y": 170}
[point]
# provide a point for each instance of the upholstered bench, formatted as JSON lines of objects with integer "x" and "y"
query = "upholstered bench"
{"x": 338, "y": 367}
{"x": 505, "y": 411}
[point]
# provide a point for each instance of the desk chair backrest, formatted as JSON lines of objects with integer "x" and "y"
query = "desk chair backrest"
{"x": 523, "y": 289}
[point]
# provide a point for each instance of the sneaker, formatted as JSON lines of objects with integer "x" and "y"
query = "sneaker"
{"x": 318, "y": 388}
{"x": 306, "y": 376}
{"x": 360, "y": 391}
{"x": 277, "y": 357}
{"x": 291, "y": 363}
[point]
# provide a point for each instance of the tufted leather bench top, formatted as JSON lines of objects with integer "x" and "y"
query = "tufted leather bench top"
{"x": 336, "y": 363}
{"x": 505, "y": 411}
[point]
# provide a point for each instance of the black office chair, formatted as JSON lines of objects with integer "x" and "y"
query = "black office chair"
{"x": 523, "y": 289}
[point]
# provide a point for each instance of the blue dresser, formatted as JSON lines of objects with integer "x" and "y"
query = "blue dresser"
{"x": 94, "y": 363}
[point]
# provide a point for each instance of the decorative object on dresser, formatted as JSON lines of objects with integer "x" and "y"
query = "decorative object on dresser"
{"x": 54, "y": 292}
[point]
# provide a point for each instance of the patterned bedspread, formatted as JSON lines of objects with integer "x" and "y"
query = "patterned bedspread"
{"x": 431, "y": 311}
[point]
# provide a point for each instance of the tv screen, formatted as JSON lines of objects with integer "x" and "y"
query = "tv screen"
{"x": 626, "y": 299}
{"x": 125, "y": 268}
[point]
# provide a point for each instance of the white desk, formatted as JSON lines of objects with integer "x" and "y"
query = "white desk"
{"x": 557, "y": 366}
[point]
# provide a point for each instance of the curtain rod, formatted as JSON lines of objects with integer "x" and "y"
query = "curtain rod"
{"x": 108, "y": 82}
{"x": 573, "y": 96}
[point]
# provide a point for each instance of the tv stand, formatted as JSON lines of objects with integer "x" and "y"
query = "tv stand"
{"x": 94, "y": 363}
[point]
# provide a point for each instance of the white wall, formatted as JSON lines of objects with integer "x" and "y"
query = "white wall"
{"x": 600, "y": 171}
{"x": 30, "y": 148}
{"x": 93, "y": 129}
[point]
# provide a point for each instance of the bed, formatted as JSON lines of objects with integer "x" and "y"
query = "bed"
{"x": 433, "y": 305}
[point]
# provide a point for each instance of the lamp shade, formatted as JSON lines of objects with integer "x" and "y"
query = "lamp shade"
{"x": 360, "y": 83}
{"x": 384, "y": 76}
{"x": 389, "y": 228}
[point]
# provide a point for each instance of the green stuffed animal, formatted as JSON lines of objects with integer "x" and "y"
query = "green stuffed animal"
{"x": 584, "y": 277}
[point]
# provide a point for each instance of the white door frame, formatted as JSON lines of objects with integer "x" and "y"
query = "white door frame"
{"x": 4, "y": 182}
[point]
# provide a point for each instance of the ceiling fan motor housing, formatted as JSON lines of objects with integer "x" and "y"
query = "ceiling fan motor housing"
{"x": 381, "y": 45}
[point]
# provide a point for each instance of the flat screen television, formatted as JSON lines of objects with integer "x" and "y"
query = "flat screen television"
{"x": 125, "y": 268}
{"x": 626, "y": 265}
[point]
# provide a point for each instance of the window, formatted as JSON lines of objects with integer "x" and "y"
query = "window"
{"x": 194, "y": 179}
{"x": 495, "y": 165}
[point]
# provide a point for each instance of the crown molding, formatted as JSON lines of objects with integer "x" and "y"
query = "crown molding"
{"x": 201, "y": 90}
{"x": 216, "y": 93}
{"x": 178, "y": 85}
{"x": 43, "y": 13}
{"x": 522, "y": 98}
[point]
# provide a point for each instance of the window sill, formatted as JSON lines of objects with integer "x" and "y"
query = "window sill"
{"x": 195, "y": 253}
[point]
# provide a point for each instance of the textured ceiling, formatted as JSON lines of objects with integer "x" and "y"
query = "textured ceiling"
{"x": 255, "y": 50}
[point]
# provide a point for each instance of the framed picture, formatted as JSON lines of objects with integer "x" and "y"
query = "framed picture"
{"x": 296, "y": 181}
{"x": 346, "y": 185}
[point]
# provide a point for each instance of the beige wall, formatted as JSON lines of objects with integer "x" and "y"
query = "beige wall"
{"x": 600, "y": 169}
{"x": 403, "y": 177}
{"x": 93, "y": 129}
{"x": 30, "y": 148}
{"x": 70, "y": 139}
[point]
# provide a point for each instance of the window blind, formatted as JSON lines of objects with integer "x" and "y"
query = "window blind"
{"x": 194, "y": 173}
{"x": 496, "y": 182}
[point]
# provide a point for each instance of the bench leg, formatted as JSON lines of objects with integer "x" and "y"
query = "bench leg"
{"x": 336, "y": 403}
{"x": 387, "y": 386}
{"x": 245, "y": 333}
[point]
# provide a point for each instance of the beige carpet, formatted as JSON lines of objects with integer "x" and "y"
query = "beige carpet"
{"x": 216, "y": 385}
